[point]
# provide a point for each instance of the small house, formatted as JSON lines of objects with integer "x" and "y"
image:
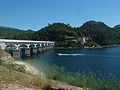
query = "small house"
{"x": 83, "y": 40}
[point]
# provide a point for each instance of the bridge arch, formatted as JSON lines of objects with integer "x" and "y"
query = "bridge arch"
{"x": 16, "y": 44}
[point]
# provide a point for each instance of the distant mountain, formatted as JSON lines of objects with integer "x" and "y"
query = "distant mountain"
{"x": 12, "y": 33}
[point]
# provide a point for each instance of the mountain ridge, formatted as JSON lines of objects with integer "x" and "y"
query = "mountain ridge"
{"x": 100, "y": 33}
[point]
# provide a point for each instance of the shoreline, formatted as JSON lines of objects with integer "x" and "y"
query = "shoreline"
{"x": 108, "y": 46}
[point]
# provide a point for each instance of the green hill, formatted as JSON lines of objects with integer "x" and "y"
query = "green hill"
{"x": 99, "y": 32}
{"x": 12, "y": 33}
{"x": 54, "y": 32}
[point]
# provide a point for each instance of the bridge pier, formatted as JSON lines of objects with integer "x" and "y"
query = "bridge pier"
{"x": 27, "y": 52}
{"x": 44, "y": 49}
{"x": 15, "y": 53}
{"x": 34, "y": 50}
{"x": 39, "y": 49}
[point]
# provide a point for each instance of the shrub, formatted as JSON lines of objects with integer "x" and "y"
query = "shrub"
{"x": 16, "y": 67}
{"x": 88, "y": 79}
{"x": 0, "y": 62}
{"x": 41, "y": 82}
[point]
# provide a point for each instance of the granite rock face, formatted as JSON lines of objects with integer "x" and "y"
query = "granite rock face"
{"x": 6, "y": 57}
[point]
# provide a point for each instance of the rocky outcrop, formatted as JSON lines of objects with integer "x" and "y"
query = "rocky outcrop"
{"x": 5, "y": 57}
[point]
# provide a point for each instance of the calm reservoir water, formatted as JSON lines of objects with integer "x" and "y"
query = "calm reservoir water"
{"x": 106, "y": 60}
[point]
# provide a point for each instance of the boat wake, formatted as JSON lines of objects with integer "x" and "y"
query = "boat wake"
{"x": 107, "y": 56}
{"x": 60, "y": 54}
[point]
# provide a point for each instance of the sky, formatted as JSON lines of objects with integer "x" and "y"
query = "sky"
{"x": 36, "y": 14}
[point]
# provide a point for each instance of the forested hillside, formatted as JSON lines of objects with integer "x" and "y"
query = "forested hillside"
{"x": 54, "y": 32}
{"x": 12, "y": 33}
{"x": 100, "y": 33}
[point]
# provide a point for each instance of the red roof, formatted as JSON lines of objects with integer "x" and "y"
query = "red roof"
{"x": 70, "y": 37}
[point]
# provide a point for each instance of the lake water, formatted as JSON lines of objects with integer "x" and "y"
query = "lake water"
{"x": 105, "y": 60}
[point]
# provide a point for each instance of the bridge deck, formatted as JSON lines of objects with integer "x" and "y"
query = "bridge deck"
{"x": 23, "y": 41}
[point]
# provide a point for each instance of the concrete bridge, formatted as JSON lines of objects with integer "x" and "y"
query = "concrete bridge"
{"x": 19, "y": 48}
